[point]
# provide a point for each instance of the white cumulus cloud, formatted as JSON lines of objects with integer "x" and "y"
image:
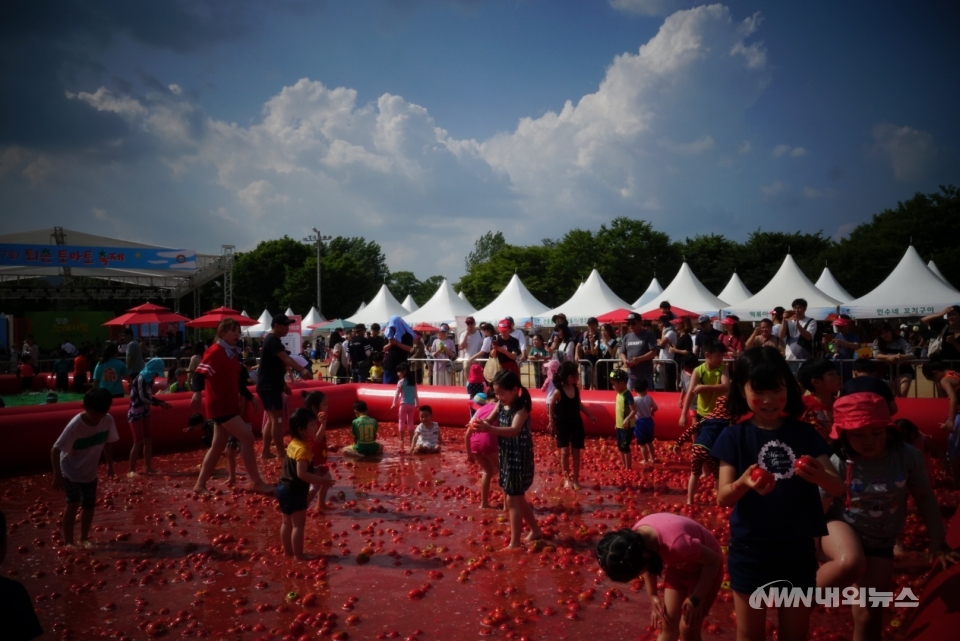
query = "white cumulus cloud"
{"x": 909, "y": 151}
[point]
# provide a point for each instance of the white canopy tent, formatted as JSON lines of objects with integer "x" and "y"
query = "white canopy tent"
{"x": 829, "y": 286}
{"x": 735, "y": 292}
{"x": 652, "y": 292}
{"x": 593, "y": 298}
{"x": 263, "y": 324}
{"x": 911, "y": 289}
{"x": 933, "y": 267}
{"x": 464, "y": 298}
{"x": 686, "y": 292}
{"x": 313, "y": 317}
{"x": 516, "y": 301}
{"x": 244, "y": 313}
{"x": 360, "y": 309}
{"x": 786, "y": 285}
{"x": 289, "y": 312}
{"x": 443, "y": 307}
{"x": 409, "y": 304}
{"x": 380, "y": 309}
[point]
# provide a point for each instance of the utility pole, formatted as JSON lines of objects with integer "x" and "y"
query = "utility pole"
{"x": 319, "y": 239}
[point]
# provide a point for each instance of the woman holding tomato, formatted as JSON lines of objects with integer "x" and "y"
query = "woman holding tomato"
{"x": 685, "y": 553}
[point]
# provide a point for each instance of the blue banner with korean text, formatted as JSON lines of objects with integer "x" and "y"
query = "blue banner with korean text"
{"x": 152, "y": 258}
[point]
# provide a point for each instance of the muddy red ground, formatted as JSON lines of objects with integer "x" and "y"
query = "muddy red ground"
{"x": 167, "y": 563}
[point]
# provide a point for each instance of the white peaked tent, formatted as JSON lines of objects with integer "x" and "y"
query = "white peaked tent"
{"x": 313, "y": 317}
{"x": 380, "y": 309}
{"x": 409, "y": 304}
{"x": 289, "y": 312}
{"x": 735, "y": 292}
{"x": 829, "y": 286}
{"x": 933, "y": 267}
{"x": 686, "y": 291}
{"x": 786, "y": 285}
{"x": 360, "y": 309}
{"x": 464, "y": 298}
{"x": 911, "y": 289}
{"x": 244, "y": 313}
{"x": 652, "y": 292}
{"x": 593, "y": 298}
{"x": 515, "y": 301}
{"x": 263, "y": 324}
{"x": 443, "y": 307}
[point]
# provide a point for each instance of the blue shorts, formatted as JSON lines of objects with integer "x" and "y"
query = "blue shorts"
{"x": 272, "y": 400}
{"x": 753, "y": 564}
{"x": 643, "y": 430}
{"x": 624, "y": 439}
{"x": 83, "y": 493}
{"x": 291, "y": 500}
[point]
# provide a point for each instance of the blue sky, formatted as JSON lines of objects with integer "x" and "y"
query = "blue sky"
{"x": 424, "y": 124}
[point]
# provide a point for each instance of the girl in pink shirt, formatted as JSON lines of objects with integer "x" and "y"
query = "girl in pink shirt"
{"x": 688, "y": 556}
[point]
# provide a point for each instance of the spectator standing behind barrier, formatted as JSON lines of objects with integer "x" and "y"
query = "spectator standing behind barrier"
{"x": 538, "y": 355}
{"x": 945, "y": 326}
{"x": 588, "y": 353}
{"x": 707, "y": 332}
{"x": 31, "y": 351}
{"x": 399, "y": 347}
{"x": 893, "y": 351}
{"x": 134, "y": 356}
{"x": 443, "y": 351}
{"x": 684, "y": 345}
{"x": 667, "y": 343}
{"x": 377, "y": 342}
{"x": 471, "y": 339}
{"x": 637, "y": 351}
{"x": 359, "y": 348}
{"x": 798, "y": 331}
{"x": 506, "y": 348}
{"x": 609, "y": 345}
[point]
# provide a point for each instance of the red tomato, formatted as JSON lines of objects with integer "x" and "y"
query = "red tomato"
{"x": 761, "y": 476}
{"x": 803, "y": 463}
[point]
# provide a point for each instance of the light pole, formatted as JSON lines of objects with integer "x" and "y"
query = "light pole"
{"x": 316, "y": 237}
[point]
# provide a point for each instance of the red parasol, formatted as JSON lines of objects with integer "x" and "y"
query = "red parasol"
{"x": 146, "y": 314}
{"x": 654, "y": 314}
{"x": 214, "y": 316}
{"x": 615, "y": 317}
{"x": 425, "y": 328}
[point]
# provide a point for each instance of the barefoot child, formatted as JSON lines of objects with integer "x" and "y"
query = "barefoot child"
{"x": 316, "y": 403}
{"x": 407, "y": 396}
{"x": 624, "y": 415}
{"x": 566, "y": 424}
{"x": 138, "y": 416}
{"x": 644, "y": 407}
{"x": 196, "y": 421}
{"x": 777, "y": 510}
{"x": 426, "y": 438}
{"x": 870, "y": 448}
{"x": 515, "y": 443}
{"x": 364, "y": 434}
{"x": 481, "y": 447}
{"x": 821, "y": 378}
{"x": 685, "y": 553}
{"x": 75, "y": 457}
{"x": 294, "y": 486}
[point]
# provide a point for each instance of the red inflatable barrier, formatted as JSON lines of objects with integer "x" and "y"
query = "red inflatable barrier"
{"x": 938, "y": 616}
{"x": 30, "y": 431}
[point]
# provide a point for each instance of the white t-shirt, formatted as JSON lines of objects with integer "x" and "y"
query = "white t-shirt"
{"x": 643, "y": 406}
{"x": 671, "y": 336}
{"x": 80, "y": 446}
{"x": 522, "y": 340}
{"x": 474, "y": 343}
{"x": 427, "y": 435}
{"x": 487, "y": 346}
{"x": 794, "y": 351}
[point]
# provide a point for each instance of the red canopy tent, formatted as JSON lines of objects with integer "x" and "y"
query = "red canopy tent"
{"x": 425, "y": 328}
{"x": 214, "y": 316}
{"x": 654, "y": 314}
{"x": 615, "y": 317}
{"x": 146, "y": 314}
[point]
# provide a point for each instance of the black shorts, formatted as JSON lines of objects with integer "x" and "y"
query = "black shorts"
{"x": 624, "y": 439}
{"x": 226, "y": 418}
{"x": 271, "y": 400}
{"x": 83, "y": 493}
{"x": 753, "y": 564}
{"x": 290, "y": 500}
{"x": 570, "y": 436}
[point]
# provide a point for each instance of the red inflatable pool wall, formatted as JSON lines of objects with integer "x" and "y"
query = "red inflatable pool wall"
{"x": 30, "y": 431}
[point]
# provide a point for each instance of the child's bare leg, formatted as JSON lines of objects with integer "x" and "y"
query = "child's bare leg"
{"x": 231, "y": 467}
{"x": 575, "y": 477}
{"x": 516, "y": 520}
{"x": 692, "y": 483}
{"x": 286, "y": 534}
{"x": 69, "y": 521}
{"x": 86, "y": 520}
{"x": 299, "y": 521}
{"x": 236, "y": 427}
{"x": 488, "y": 467}
{"x": 526, "y": 511}
{"x": 135, "y": 452}
{"x": 565, "y": 464}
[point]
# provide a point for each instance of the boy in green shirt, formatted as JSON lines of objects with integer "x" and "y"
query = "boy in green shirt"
{"x": 364, "y": 434}
{"x": 624, "y": 415}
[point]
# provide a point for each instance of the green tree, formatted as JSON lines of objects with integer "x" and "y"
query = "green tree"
{"x": 713, "y": 258}
{"x": 401, "y": 284}
{"x": 629, "y": 251}
{"x": 484, "y": 248}
{"x": 259, "y": 275}
{"x": 486, "y": 280}
{"x": 930, "y": 222}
